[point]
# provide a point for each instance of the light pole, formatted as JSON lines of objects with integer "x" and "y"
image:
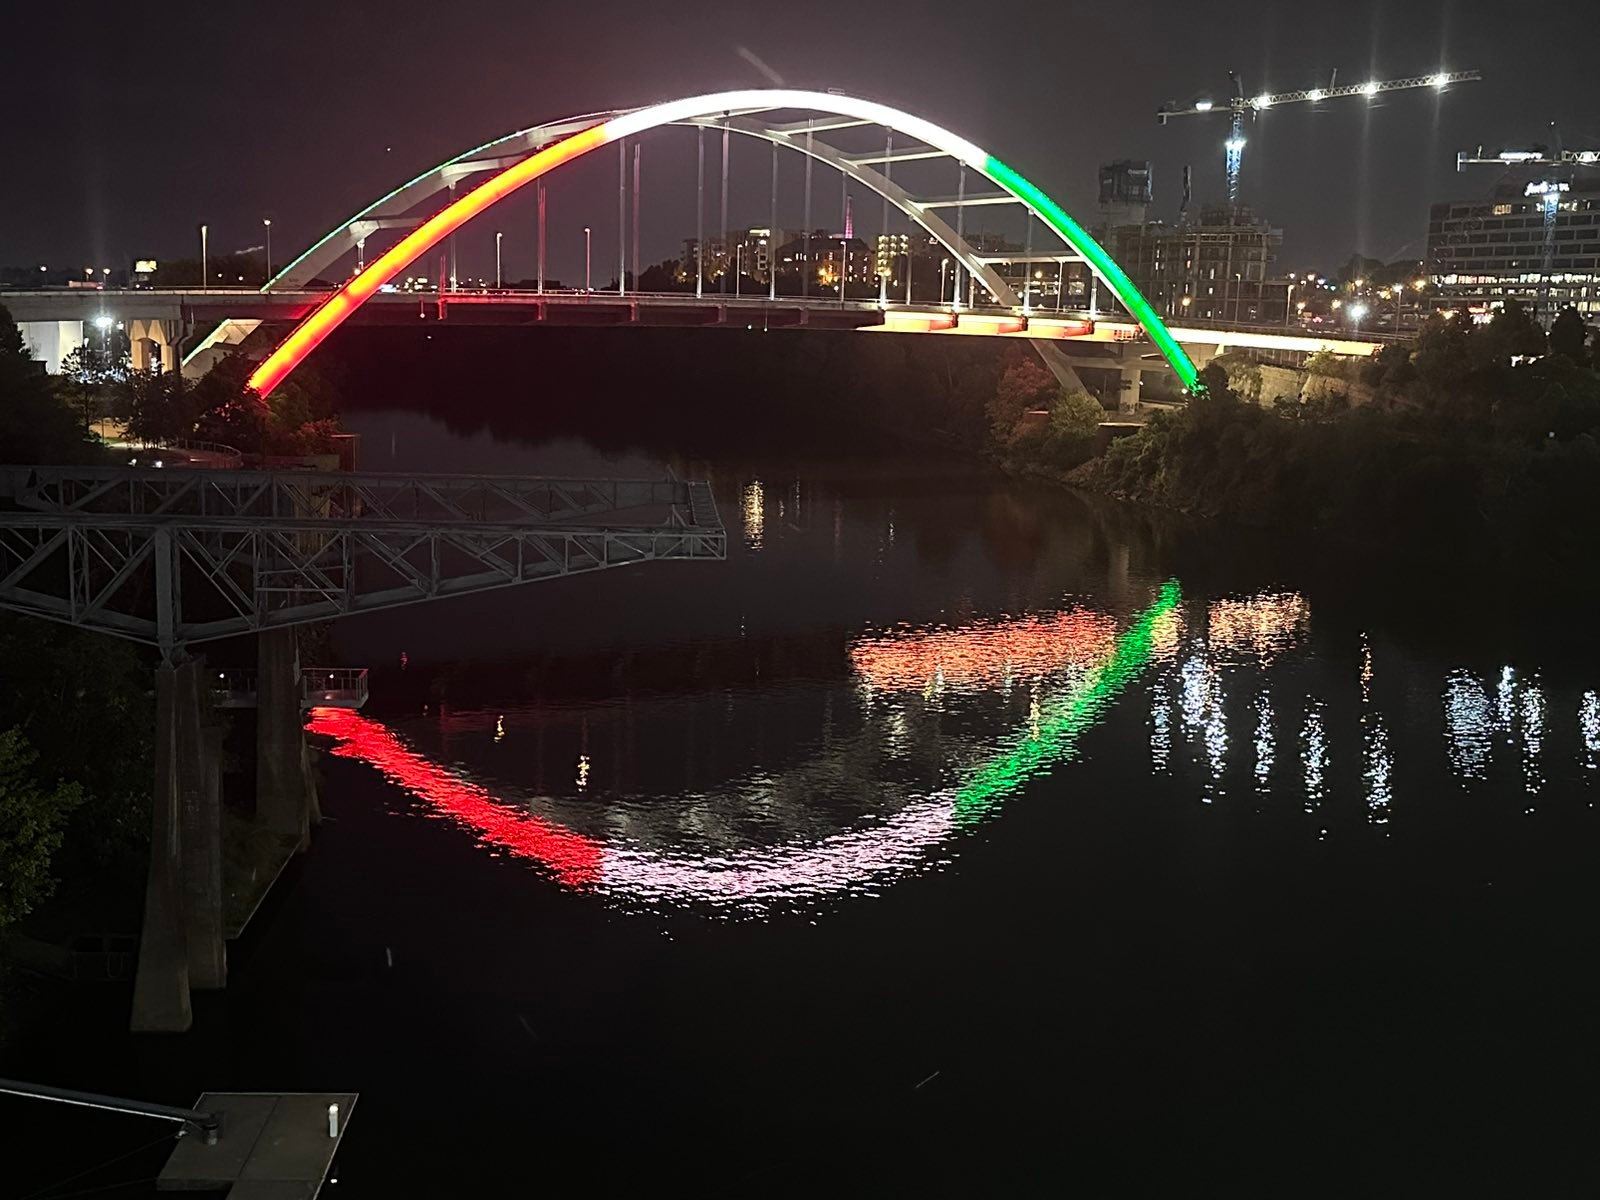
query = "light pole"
{"x": 497, "y": 275}
{"x": 588, "y": 241}
{"x": 944, "y": 267}
{"x": 738, "y": 270}
{"x": 266, "y": 223}
{"x": 205, "y": 274}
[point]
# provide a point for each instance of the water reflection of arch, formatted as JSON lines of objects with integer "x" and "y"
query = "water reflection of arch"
{"x": 814, "y": 864}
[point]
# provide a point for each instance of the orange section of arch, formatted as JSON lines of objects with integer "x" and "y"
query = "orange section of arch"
{"x": 311, "y": 332}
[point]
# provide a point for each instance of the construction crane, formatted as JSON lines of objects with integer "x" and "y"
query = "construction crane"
{"x": 1239, "y": 106}
{"x": 1549, "y": 190}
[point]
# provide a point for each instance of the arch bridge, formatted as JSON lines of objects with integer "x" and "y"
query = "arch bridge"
{"x": 809, "y": 123}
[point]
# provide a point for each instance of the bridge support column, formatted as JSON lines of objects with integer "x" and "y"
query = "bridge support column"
{"x": 1128, "y": 392}
{"x": 200, "y": 836}
{"x": 286, "y": 793}
{"x": 161, "y": 983}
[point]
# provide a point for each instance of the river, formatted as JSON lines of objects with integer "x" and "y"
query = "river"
{"x": 954, "y": 834}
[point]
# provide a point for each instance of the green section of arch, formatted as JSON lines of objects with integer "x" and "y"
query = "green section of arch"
{"x": 1104, "y": 265}
{"x": 1059, "y": 728}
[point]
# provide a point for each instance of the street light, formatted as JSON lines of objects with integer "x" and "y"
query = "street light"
{"x": 588, "y": 241}
{"x": 497, "y": 276}
{"x": 266, "y": 223}
{"x": 1357, "y": 311}
{"x": 205, "y": 281}
{"x": 738, "y": 269}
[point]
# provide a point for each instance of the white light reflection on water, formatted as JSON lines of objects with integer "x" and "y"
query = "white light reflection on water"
{"x": 1203, "y": 716}
{"x": 1160, "y": 727}
{"x": 1532, "y": 739}
{"x": 1266, "y": 746}
{"x": 1377, "y": 762}
{"x": 1469, "y": 725}
{"x": 1589, "y": 728}
{"x": 1314, "y": 755}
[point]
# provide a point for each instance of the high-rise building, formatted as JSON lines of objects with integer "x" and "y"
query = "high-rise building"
{"x": 1217, "y": 268}
{"x": 1481, "y": 252}
{"x": 1125, "y": 193}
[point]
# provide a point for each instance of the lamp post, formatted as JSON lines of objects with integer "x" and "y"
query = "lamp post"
{"x": 738, "y": 269}
{"x": 588, "y": 242}
{"x": 205, "y": 274}
{"x": 266, "y": 223}
{"x": 944, "y": 265}
{"x": 497, "y": 275}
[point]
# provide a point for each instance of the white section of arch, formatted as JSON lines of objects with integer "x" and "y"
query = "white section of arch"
{"x": 393, "y": 211}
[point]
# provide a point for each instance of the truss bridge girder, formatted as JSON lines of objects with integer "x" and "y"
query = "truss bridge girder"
{"x": 189, "y": 559}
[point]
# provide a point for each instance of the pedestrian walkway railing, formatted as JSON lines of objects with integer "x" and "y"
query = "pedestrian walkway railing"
{"x": 320, "y": 687}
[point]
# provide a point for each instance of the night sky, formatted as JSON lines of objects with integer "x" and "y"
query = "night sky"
{"x": 131, "y": 124}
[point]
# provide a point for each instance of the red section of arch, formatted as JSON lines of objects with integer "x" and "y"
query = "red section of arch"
{"x": 574, "y": 859}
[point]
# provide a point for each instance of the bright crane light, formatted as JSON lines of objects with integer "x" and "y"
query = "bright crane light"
{"x": 1314, "y": 94}
{"x": 1370, "y": 90}
{"x": 1202, "y": 106}
{"x": 1263, "y": 101}
{"x": 1440, "y": 80}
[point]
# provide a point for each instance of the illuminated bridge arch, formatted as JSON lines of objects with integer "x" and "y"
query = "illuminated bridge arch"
{"x": 519, "y": 158}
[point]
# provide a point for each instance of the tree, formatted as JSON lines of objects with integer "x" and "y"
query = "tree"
{"x": 1568, "y": 335}
{"x": 159, "y": 405}
{"x": 1512, "y": 333}
{"x": 1025, "y": 386}
{"x": 35, "y": 427}
{"x": 32, "y": 819}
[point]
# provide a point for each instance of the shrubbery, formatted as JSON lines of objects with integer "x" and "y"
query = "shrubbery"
{"x": 1477, "y": 439}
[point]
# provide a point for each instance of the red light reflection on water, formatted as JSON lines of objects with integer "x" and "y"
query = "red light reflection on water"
{"x": 571, "y": 857}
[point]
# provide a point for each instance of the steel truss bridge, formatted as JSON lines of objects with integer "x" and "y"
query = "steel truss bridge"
{"x": 173, "y": 557}
{"x": 804, "y": 122}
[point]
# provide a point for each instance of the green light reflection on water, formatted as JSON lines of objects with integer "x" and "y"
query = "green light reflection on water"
{"x": 1059, "y": 729}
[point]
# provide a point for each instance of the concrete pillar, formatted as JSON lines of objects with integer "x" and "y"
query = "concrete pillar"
{"x": 286, "y": 795}
{"x": 138, "y": 346}
{"x": 1128, "y": 393}
{"x": 171, "y": 335}
{"x": 161, "y": 984}
{"x": 200, "y": 838}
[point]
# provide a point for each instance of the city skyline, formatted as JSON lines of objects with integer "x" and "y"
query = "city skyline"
{"x": 1377, "y": 165}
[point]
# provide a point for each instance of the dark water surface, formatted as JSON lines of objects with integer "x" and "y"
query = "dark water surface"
{"x": 955, "y": 835}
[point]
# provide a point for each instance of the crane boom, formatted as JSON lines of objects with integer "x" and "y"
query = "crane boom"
{"x": 1240, "y": 106}
{"x": 1439, "y": 81}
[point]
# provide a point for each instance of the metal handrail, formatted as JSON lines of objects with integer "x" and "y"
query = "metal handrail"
{"x": 208, "y": 1125}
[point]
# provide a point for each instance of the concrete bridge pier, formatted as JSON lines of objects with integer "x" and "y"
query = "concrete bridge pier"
{"x": 1130, "y": 374}
{"x": 153, "y": 340}
{"x": 181, "y": 938}
{"x": 286, "y": 790}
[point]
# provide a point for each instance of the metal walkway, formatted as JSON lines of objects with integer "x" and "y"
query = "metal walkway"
{"x": 172, "y": 556}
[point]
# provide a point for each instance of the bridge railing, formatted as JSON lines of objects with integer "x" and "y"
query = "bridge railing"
{"x": 320, "y": 687}
{"x": 217, "y": 456}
